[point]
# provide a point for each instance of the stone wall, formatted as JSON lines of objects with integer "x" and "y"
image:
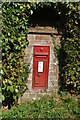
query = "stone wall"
{"x": 42, "y": 36}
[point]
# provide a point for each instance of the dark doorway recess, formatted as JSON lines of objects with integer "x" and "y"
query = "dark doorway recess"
{"x": 47, "y": 16}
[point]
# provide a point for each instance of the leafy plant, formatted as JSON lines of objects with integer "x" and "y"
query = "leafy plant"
{"x": 14, "y": 41}
{"x": 15, "y": 21}
{"x": 68, "y": 52}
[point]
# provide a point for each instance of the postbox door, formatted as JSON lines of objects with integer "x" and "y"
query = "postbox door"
{"x": 40, "y": 71}
{"x": 40, "y": 76}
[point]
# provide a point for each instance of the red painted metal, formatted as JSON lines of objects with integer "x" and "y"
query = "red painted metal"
{"x": 40, "y": 78}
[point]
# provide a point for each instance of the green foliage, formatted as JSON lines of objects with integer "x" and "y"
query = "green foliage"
{"x": 68, "y": 52}
{"x": 14, "y": 38}
{"x": 15, "y": 21}
{"x": 47, "y": 107}
{"x": 72, "y": 50}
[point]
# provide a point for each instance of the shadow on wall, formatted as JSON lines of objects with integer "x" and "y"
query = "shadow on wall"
{"x": 60, "y": 55}
{"x": 47, "y": 17}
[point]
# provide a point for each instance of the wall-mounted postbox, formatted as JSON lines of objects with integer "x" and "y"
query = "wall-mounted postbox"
{"x": 40, "y": 66}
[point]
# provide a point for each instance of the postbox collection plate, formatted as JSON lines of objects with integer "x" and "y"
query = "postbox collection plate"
{"x": 40, "y": 66}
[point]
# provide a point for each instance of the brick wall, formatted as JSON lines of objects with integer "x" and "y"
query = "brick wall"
{"x": 42, "y": 36}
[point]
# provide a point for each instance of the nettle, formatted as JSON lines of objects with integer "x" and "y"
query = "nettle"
{"x": 15, "y": 21}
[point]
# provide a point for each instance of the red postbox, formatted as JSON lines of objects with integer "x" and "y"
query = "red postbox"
{"x": 40, "y": 67}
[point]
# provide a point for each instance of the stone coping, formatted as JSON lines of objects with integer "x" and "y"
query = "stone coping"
{"x": 43, "y": 30}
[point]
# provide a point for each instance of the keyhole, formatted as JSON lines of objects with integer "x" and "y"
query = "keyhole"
{"x": 38, "y": 74}
{"x": 41, "y": 49}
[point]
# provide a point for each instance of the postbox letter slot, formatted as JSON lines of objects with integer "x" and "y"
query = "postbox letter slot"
{"x": 41, "y": 54}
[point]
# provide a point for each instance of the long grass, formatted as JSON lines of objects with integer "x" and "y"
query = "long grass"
{"x": 48, "y": 107}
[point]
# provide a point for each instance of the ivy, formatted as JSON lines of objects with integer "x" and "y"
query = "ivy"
{"x": 69, "y": 52}
{"x": 15, "y": 21}
{"x": 14, "y": 37}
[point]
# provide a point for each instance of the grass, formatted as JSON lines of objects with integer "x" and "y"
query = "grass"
{"x": 54, "y": 106}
